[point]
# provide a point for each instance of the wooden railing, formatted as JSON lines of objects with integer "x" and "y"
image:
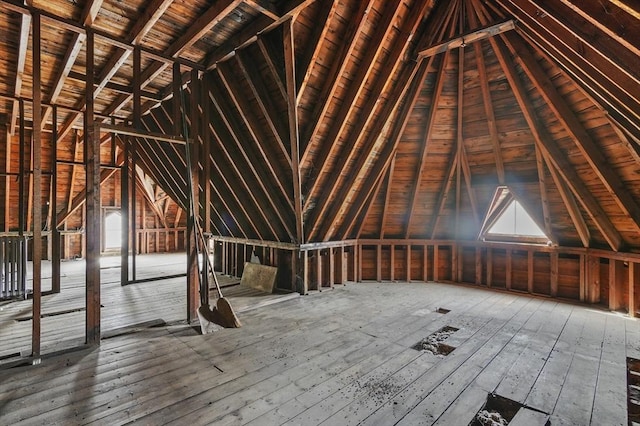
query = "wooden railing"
{"x": 13, "y": 267}
{"x": 587, "y": 275}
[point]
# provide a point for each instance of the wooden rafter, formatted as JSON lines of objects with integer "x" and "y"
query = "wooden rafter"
{"x": 257, "y": 189}
{"x": 274, "y": 69}
{"x": 408, "y": 89}
{"x": 25, "y": 24}
{"x": 578, "y": 133}
{"x": 325, "y": 97}
{"x": 320, "y": 30}
{"x": 250, "y": 121}
{"x": 274, "y": 122}
{"x": 383, "y": 82}
{"x": 570, "y": 203}
{"x": 201, "y": 26}
{"x": 544, "y": 195}
{"x": 441, "y": 199}
{"x": 327, "y": 150}
{"x": 250, "y": 33}
{"x": 587, "y": 66}
{"x": 422, "y": 159}
{"x": 366, "y": 208}
{"x": 264, "y": 7}
{"x": 550, "y": 149}
{"x": 387, "y": 194}
{"x": 294, "y": 131}
{"x": 488, "y": 105}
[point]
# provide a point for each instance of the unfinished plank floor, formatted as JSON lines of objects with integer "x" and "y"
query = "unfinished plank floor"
{"x": 345, "y": 357}
{"x": 63, "y": 321}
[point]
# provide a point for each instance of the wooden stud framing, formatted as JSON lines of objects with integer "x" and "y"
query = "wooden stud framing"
{"x": 292, "y": 108}
{"x": 616, "y": 270}
{"x": 36, "y": 156}
{"x": 92, "y": 204}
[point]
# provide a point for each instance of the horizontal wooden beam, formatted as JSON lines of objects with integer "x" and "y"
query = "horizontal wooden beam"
{"x": 469, "y": 37}
{"x": 130, "y": 131}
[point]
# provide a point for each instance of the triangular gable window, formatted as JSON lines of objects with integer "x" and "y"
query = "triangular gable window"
{"x": 507, "y": 220}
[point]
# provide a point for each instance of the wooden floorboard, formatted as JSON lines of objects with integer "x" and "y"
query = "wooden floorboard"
{"x": 339, "y": 357}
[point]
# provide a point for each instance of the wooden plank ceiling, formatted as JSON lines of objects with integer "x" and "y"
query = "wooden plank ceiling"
{"x": 387, "y": 118}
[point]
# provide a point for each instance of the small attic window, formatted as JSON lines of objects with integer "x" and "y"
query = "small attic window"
{"x": 508, "y": 221}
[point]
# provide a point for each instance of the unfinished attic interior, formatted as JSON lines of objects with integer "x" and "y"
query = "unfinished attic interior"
{"x": 453, "y": 186}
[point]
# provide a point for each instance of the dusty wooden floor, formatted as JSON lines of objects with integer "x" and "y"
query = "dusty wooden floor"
{"x": 344, "y": 357}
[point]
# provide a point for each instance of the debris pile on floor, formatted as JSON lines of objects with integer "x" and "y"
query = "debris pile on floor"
{"x": 491, "y": 418}
{"x": 434, "y": 342}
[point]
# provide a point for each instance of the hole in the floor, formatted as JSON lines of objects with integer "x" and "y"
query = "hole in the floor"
{"x": 633, "y": 390}
{"x": 434, "y": 342}
{"x": 497, "y": 411}
{"x": 443, "y": 311}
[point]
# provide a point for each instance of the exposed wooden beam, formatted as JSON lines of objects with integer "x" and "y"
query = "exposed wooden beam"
{"x": 204, "y": 23}
{"x": 92, "y": 204}
{"x": 321, "y": 28}
{"x": 275, "y": 69}
{"x": 245, "y": 168}
{"x": 383, "y": 82}
{"x": 437, "y": 91}
{"x": 250, "y": 33}
{"x": 585, "y": 143}
{"x": 549, "y": 148}
{"x": 23, "y": 42}
{"x": 250, "y": 121}
{"x": 570, "y": 203}
{"x": 294, "y": 134}
{"x": 615, "y": 89}
{"x": 387, "y": 195}
{"x": 366, "y": 208}
{"x": 488, "y": 104}
{"x": 325, "y": 97}
{"x": 483, "y": 33}
{"x": 130, "y": 131}
{"x": 265, "y": 7}
{"x": 442, "y": 196}
{"x": 36, "y": 156}
{"x": 278, "y": 128}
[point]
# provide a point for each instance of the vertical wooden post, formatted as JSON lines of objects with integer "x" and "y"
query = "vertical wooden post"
{"x": 92, "y": 205}
{"x": 37, "y": 189}
{"x": 392, "y": 275}
{"x": 425, "y": 263}
{"x": 479, "y": 265}
{"x": 124, "y": 215}
{"x": 454, "y": 261}
{"x": 553, "y": 275}
{"x": 319, "y": 269}
{"x": 332, "y": 265}
{"x": 305, "y": 270}
{"x": 192, "y": 267}
{"x": 357, "y": 263}
{"x": 634, "y": 278}
{"x": 615, "y": 284}
{"x": 294, "y": 135}
{"x": 593, "y": 283}
{"x": 489, "y": 267}
{"x": 530, "y": 271}
{"x": 509, "y": 269}
{"x": 133, "y": 207}
{"x": 408, "y": 262}
{"x": 436, "y": 263}
{"x": 22, "y": 178}
{"x": 583, "y": 278}
{"x": 378, "y": 262}
{"x": 55, "y": 233}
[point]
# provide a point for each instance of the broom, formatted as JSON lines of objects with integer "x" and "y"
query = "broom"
{"x": 223, "y": 313}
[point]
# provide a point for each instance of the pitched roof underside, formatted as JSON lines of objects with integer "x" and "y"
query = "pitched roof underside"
{"x": 410, "y": 113}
